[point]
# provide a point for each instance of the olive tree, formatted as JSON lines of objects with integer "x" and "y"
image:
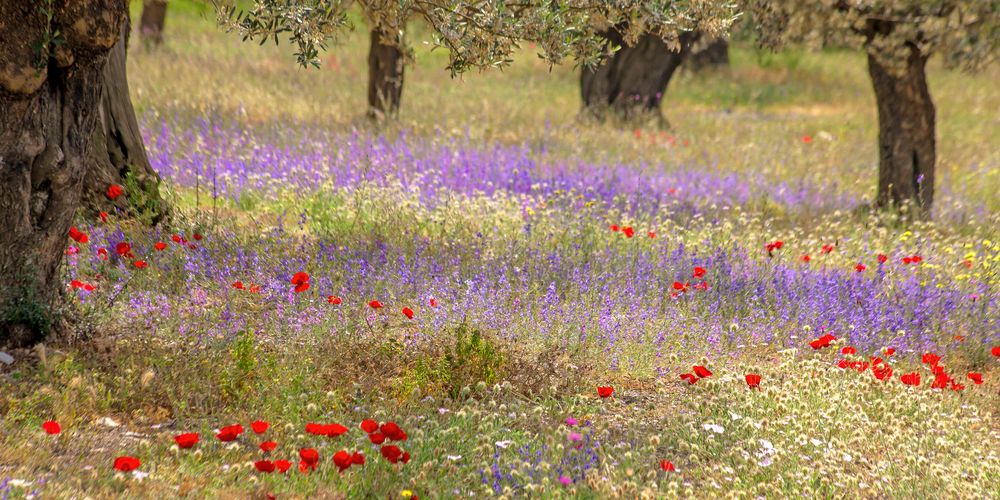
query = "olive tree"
{"x": 898, "y": 37}
{"x": 486, "y": 33}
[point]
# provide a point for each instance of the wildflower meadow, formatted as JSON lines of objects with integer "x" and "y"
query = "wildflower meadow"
{"x": 486, "y": 293}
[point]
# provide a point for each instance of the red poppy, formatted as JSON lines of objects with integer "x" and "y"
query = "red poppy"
{"x": 930, "y": 358}
{"x": 186, "y": 440}
{"x": 690, "y": 377}
{"x": 910, "y": 378}
{"x": 229, "y": 433}
{"x": 805, "y": 258}
{"x": 102, "y": 253}
{"x": 860, "y": 268}
{"x": 78, "y": 236}
{"x": 301, "y": 282}
{"x": 822, "y": 342}
{"x": 699, "y": 272}
{"x": 103, "y": 216}
{"x": 392, "y": 431}
{"x": 268, "y": 446}
{"x": 807, "y": 139}
{"x": 254, "y": 288}
{"x": 941, "y": 380}
{"x": 753, "y": 380}
{"x": 358, "y": 458}
{"x": 995, "y": 351}
{"x": 667, "y": 465}
{"x": 238, "y": 285}
{"x": 51, "y": 427}
{"x": 955, "y": 386}
{"x": 127, "y": 464}
{"x": 960, "y": 338}
{"x": 977, "y": 378}
{"x": 433, "y": 302}
{"x": 160, "y": 246}
{"x": 651, "y": 234}
{"x": 826, "y": 249}
{"x": 405, "y": 458}
{"x": 259, "y": 426}
{"x": 376, "y": 438}
{"x": 605, "y": 391}
{"x": 265, "y": 466}
{"x": 197, "y": 236}
{"x": 391, "y": 453}
{"x": 774, "y": 245}
{"x": 681, "y": 287}
{"x": 342, "y": 460}
{"x": 333, "y": 299}
{"x": 310, "y": 457}
{"x": 334, "y": 430}
{"x": 889, "y": 351}
{"x": 882, "y": 258}
{"x": 123, "y": 249}
{"x": 369, "y": 426}
{"x": 140, "y": 264}
{"x": 408, "y": 312}
{"x": 882, "y": 371}
{"x": 375, "y": 304}
{"x": 282, "y": 465}
{"x": 848, "y": 350}
{"x": 614, "y": 228}
{"x": 177, "y": 238}
{"x": 114, "y": 191}
{"x": 701, "y": 371}
{"x": 628, "y": 231}
{"x": 967, "y": 263}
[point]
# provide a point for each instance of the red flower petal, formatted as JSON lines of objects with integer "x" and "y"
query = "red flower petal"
{"x": 186, "y": 440}
{"x": 701, "y": 371}
{"x": 265, "y": 466}
{"x": 369, "y": 426}
{"x": 605, "y": 391}
{"x": 126, "y": 463}
{"x": 268, "y": 446}
{"x": 52, "y": 427}
{"x": 114, "y": 191}
{"x": 259, "y": 426}
{"x": 667, "y": 465}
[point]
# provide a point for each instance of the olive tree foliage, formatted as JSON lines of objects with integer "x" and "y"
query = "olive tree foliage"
{"x": 898, "y": 37}
{"x": 480, "y": 33}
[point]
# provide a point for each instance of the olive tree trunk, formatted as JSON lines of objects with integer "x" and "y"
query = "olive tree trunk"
{"x": 386, "y": 62}
{"x": 906, "y": 144}
{"x": 117, "y": 153}
{"x": 630, "y": 84}
{"x": 708, "y": 53}
{"x": 48, "y": 107}
{"x": 154, "y": 14}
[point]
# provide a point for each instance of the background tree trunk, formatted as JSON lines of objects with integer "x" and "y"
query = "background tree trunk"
{"x": 906, "y": 141}
{"x": 154, "y": 14}
{"x": 48, "y": 107}
{"x": 708, "y": 53}
{"x": 385, "y": 74}
{"x": 117, "y": 153}
{"x": 630, "y": 84}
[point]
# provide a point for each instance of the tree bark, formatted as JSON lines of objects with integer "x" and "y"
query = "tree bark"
{"x": 48, "y": 107}
{"x": 630, "y": 84}
{"x": 708, "y": 53}
{"x": 386, "y": 62}
{"x": 117, "y": 153}
{"x": 906, "y": 140}
{"x": 154, "y": 14}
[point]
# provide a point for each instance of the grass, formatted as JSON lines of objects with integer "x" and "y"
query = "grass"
{"x": 490, "y": 198}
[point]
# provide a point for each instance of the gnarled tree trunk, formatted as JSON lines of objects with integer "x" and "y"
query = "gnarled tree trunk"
{"x": 48, "y": 107}
{"x": 117, "y": 153}
{"x": 154, "y": 14}
{"x": 630, "y": 84}
{"x": 708, "y": 52}
{"x": 386, "y": 62}
{"x": 906, "y": 141}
